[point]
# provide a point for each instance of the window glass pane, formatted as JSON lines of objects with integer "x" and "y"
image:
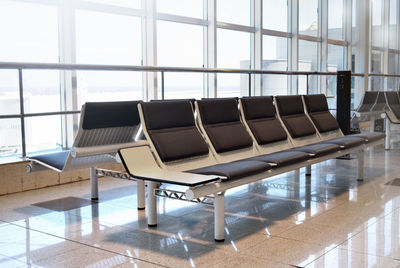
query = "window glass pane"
{"x": 179, "y": 44}
{"x": 10, "y": 137}
{"x": 336, "y": 62}
{"x": 335, "y": 19}
{"x": 275, "y": 57}
{"x": 376, "y": 67}
{"x": 308, "y": 61}
{"x": 121, "y": 3}
{"x": 9, "y": 92}
{"x": 233, "y": 49}
{"x": 103, "y": 38}
{"x": 393, "y": 69}
{"x": 275, "y": 15}
{"x": 109, "y": 86}
{"x": 38, "y": 140}
{"x": 234, "y": 11}
{"x": 187, "y": 8}
{"x": 41, "y": 91}
{"x": 377, "y": 25}
{"x": 28, "y": 32}
{"x": 393, "y": 26}
{"x": 308, "y": 17}
{"x": 182, "y": 86}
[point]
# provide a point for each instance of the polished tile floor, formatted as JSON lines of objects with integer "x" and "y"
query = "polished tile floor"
{"x": 327, "y": 220}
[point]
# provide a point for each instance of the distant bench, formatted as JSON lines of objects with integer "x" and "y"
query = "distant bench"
{"x": 383, "y": 104}
{"x": 224, "y": 148}
{"x": 104, "y": 128}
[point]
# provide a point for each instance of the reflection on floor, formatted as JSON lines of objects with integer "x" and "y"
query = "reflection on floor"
{"x": 328, "y": 220}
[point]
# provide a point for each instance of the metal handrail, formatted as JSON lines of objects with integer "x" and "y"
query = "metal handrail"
{"x": 91, "y": 67}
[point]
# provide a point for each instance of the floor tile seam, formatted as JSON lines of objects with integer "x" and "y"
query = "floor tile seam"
{"x": 333, "y": 248}
{"x": 367, "y": 253}
{"x": 307, "y": 242}
{"x": 87, "y": 245}
{"x": 270, "y": 260}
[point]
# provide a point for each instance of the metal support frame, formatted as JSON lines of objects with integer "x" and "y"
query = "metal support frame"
{"x": 361, "y": 156}
{"x": 177, "y": 195}
{"x": 219, "y": 217}
{"x": 141, "y": 191}
{"x": 372, "y": 123}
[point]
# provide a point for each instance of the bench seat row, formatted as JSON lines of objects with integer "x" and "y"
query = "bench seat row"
{"x": 211, "y": 145}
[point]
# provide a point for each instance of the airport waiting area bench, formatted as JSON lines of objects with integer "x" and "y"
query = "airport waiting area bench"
{"x": 223, "y": 147}
{"x": 104, "y": 128}
{"x": 381, "y": 104}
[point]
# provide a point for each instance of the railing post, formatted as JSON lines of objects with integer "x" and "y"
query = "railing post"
{"x": 162, "y": 86}
{"x": 249, "y": 84}
{"x": 22, "y": 111}
{"x": 307, "y": 86}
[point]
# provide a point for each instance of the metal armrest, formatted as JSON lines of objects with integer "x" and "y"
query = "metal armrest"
{"x": 139, "y": 162}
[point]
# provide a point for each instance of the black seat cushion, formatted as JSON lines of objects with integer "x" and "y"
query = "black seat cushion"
{"x": 318, "y": 149}
{"x": 370, "y": 136}
{"x": 228, "y": 136}
{"x": 168, "y": 114}
{"x": 216, "y": 111}
{"x": 368, "y": 101}
{"x": 392, "y": 98}
{"x": 258, "y": 107}
{"x": 289, "y": 105}
{"x": 316, "y": 103}
{"x": 380, "y": 102}
{"x": 221, "y": 121}
{"x": 234, "y": 170}
{"x": 317, "y": 108}
{"x": 267, "y": 130}
{"x": 177, "y": 143}
{"x": 110, "y": 114}
{"x": 56, "y": 160}
{"x": 283, "y": 158}
{"x": 324, "y": 121}
{"x": 298, "y": 125}
{"x": 172, "y": 130}
{"x": 346, "y": 141}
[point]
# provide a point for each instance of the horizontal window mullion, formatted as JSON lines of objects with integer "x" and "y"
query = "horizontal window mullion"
{"x": 235, "y": 27}
{"x": 276, "y": 33}
{"x": 181, "y": 19}
{"x": 309, "y": 38}
{"x": 108, "y": 8}
{"x": 337, "y": 42}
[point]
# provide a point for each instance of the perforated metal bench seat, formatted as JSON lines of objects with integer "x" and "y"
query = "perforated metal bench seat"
{"x": 234, "y": 170}
{"x": 346, "y": 142}
{"x": 284, "y": 158}
{"x": 319, "y": 149}
{"x": 56, "y": 160}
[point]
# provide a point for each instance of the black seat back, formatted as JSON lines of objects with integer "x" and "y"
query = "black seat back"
{"x": 221, "y": 120}
{"x": 380, "y": 102}
{"x": 368, "y": 101}
{"x": 171, "y": 128}
{"x": 260, "y": 116}
{"x": 317, "y": 108}
{"x": 110, "y": 114}
{"x": 291, "y": 111}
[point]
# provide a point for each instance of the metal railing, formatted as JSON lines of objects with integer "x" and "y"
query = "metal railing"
{"x": 88, "y": 67}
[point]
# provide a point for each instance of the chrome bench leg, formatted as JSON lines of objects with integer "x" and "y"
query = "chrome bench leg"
{"x": 361, "y": 165}
{"x": 219, "y": 217}
{"x": 94, "y": 184}
{"x": 308, "y": 170}
{"x": 151, "y": 204}
{"x": 141, "y": 195}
